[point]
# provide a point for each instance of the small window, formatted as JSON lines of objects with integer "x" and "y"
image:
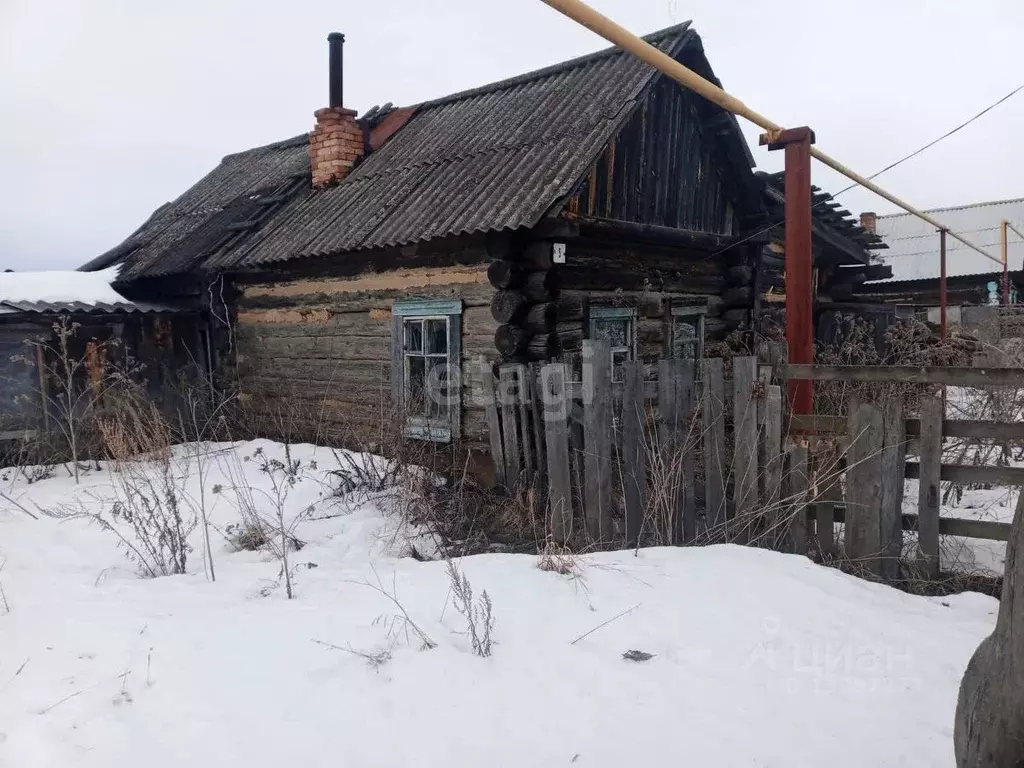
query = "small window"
{"x": 425, "y": 367}
{"x": 617, "y": 326}
{"x": 687, "y": 335}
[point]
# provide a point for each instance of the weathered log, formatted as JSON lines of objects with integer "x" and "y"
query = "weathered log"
{"x": 543, "y": 346}
{"x": 740, "y": 296}
{"x": 537, "y": 255}
{"x": 988, "y": 730}
{"x": 504, "y": 274}
{"x": 740, "y": 275}
{"x": 506, "y": 306}
{"x": 511, "y": 340}
{"x": 541, "y": 317}
{"x": 540, "y": 286}
{"x": 498, "y": 244}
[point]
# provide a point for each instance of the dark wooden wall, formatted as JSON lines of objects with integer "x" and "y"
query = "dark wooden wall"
{"x": 665, "y": 168}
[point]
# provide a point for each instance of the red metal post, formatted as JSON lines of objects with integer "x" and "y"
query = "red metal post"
{"x": 799, "y": 260}
{"x": 1006, "y": 263}
{"x": 942, "y": 283}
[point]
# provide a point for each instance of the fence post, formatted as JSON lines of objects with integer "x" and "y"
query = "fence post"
{"x": 556, "y": 429}
{"x": 597, "y": 438}
{"x": 634, "y": 452}
{"x": 675, "y": 409}
{"x": 523, "y": 406}
{"x": 796, "y": 496}
{"x": 864, "y": 485}
{"x": 510, "y": 429}
{"x": 537, "y": 408}
{"x": 744, "y": 374}
{"x": 894, "y": 461}
{"x": 771, "y": 462}
{"x": 493, "y": 422}
{"x": 928, "y": 500}
{"x": 714, "y": 443}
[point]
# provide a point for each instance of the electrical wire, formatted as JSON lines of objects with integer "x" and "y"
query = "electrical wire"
{"x": 889, "y": 167}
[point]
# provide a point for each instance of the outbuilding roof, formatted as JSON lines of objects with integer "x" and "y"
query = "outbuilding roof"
{"x": 913, "y": 244}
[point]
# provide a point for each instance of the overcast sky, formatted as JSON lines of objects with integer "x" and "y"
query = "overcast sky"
{"x": 112, "y": 107}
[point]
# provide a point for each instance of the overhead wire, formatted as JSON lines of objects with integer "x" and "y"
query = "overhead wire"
{"x": 889, "y": 167}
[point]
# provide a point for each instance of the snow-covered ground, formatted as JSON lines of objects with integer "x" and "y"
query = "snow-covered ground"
{"x": 759, "y": 659}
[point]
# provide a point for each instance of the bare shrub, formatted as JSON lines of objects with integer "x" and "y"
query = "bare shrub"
{"x": 478, "y": 613}
{"x": 558, "y": 559}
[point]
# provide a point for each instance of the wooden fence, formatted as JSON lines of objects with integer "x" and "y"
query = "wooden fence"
{"x": 615, "y": 447}
{"x": 698, "y": 456}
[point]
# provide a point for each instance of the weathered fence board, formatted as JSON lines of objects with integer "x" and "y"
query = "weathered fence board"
{"x": 556, "y": 424}
{"x": 928, "y": 504}
{"x": 894, "y": 459}
{"x": 771, "y": 462}
{"x": 490, "y": 397}
{"x": 597, "y": 439}
{"x": 744, "y": 371}
{"x": 507, "y": 388}
{"x": 714, "y": 443}
{"x": 522, "y": 380}
{"x": 795, "y": 489}
{"x": 864, "y": 485}
{"x": 634, "y": 451}
{"x": 990, "y": 530}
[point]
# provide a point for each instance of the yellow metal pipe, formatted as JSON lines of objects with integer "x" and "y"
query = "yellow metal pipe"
{"x": 599, "y": 24}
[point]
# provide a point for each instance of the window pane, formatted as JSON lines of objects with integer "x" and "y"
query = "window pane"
{"x": 437, "y": 336}
{"x": 614, "y": 330}
{"x": 684, "y": 338}
{"x": 618, "y": 358}
{"x": 437, "y": 386}
{"x": 413, "y": 335}
{"x": 416, "y": 373}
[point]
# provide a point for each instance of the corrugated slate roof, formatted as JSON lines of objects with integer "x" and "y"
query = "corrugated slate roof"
{"x": 78, "y": 307}
{"x": 496, "y": 157}
{"x": 914, "y": 244}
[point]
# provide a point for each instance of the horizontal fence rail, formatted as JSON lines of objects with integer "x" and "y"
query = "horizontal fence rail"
{"x": 954, "y": 377}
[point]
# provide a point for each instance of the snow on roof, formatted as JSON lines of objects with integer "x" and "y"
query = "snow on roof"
{"x": 914, "y": 244}
{"x": 60, "y": 287}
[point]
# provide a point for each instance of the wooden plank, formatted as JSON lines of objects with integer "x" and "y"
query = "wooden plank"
{"x": 957, "y": 377}
{"x": 509, "y": 423}
{"x": 795, "y": 485}
{"x": 928, "y": 497}
{"x": 989, "y": 530}
{"x": 972, "y": 475}
{"x": 824, "y": 514}
{"x": 556, "y": 430}
{"x": 771, "y": 460}
{"x": 894, "y": 458}
{"x": 714, "y": 443}
{"x": 522, "y": 393}
{"x": 988, "y": 430}
{"x": 744, "y": 371}
{"x": 537, "y": 414}
{"x": 634, "y": 451}
{"x": 864, "y": 485}
{"x": 685, "y": 409}
{"x": 597, "y": 439}
{"x": 490, "y": 399}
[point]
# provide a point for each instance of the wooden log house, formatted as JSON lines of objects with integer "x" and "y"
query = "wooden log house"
{"x": 591, "y": 199}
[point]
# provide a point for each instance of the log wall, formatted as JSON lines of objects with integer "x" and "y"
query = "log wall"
{"x": 316, "y": 351}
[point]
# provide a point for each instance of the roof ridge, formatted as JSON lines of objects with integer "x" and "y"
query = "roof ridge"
{"x": 294, "y": 141}
{"x": 536, "y": 74}
{"x": 981, "y": 204}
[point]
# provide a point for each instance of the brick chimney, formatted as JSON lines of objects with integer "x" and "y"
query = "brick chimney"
{"x": 336, "y": 142}
{"x": 869, "y": 222}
